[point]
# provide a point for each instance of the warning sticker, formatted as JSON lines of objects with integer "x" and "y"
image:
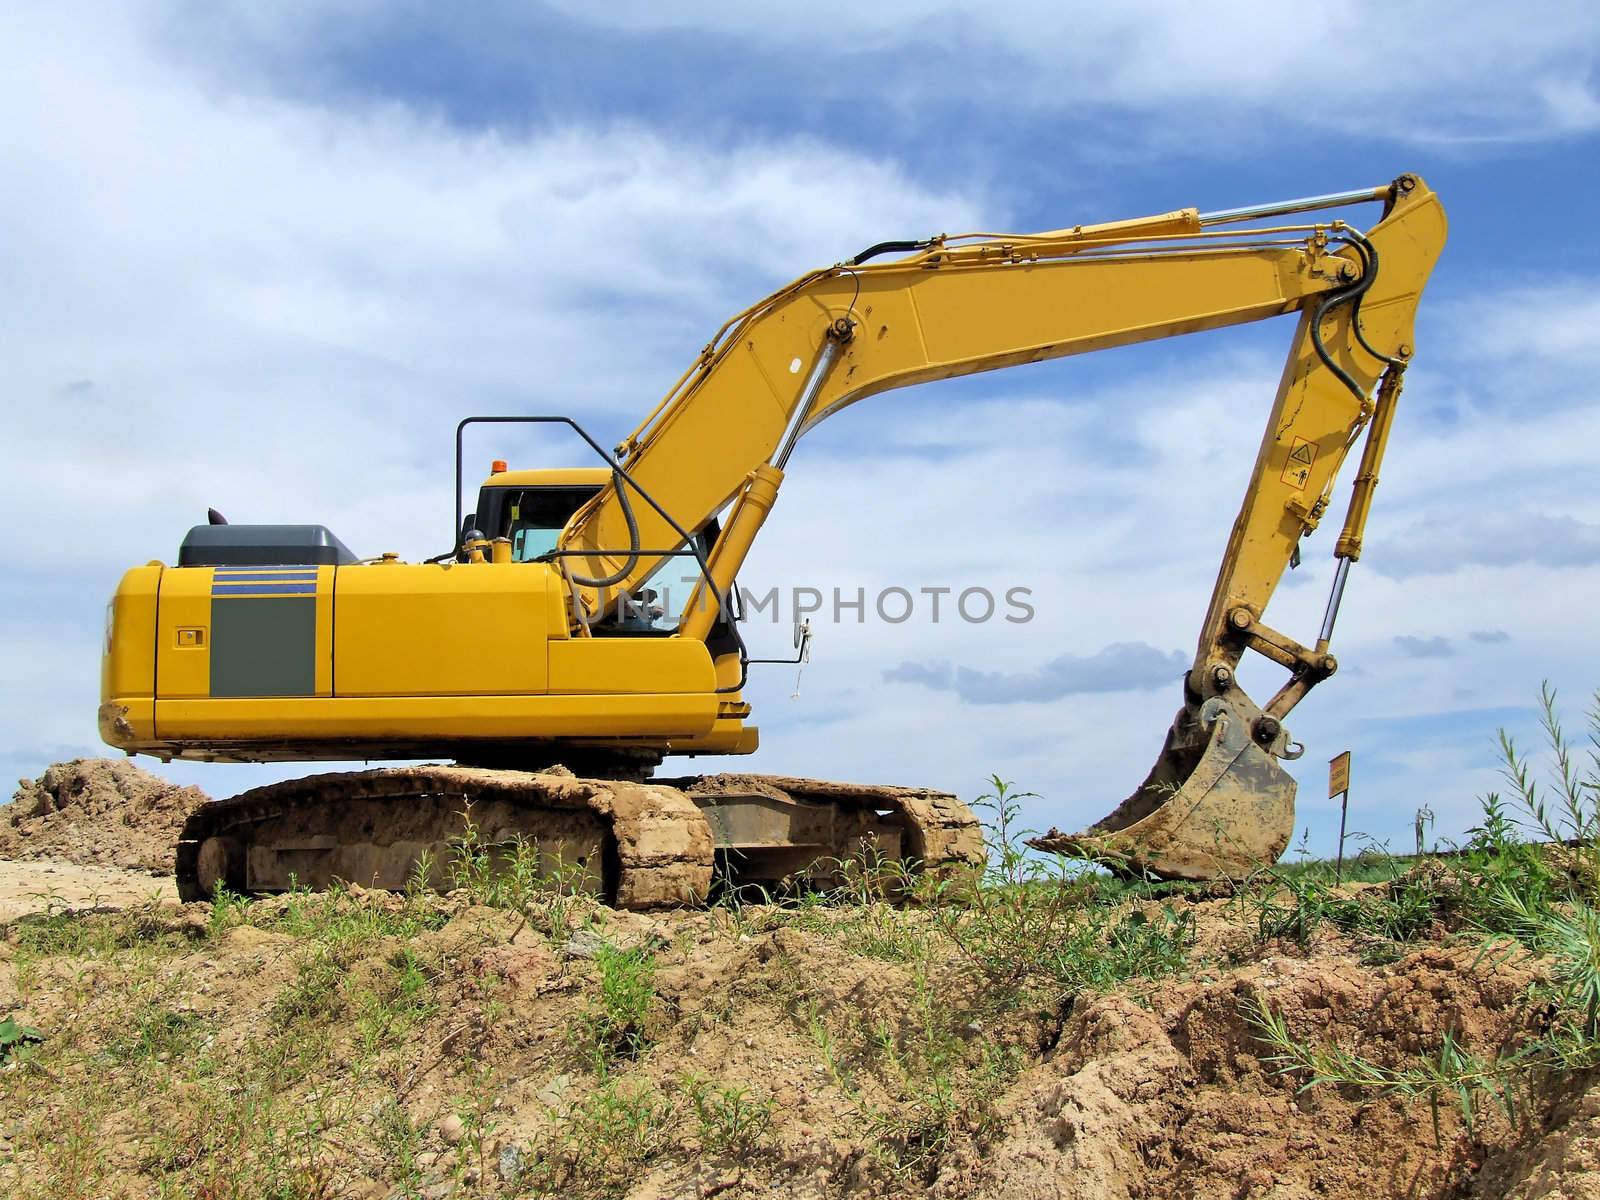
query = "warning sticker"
{"x": 1298, "y": 469}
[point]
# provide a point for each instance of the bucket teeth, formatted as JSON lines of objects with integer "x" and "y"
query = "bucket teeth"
{"x": 1215, "y": 805}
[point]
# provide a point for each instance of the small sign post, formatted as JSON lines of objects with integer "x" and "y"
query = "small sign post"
{"x": 1339, "y": 785}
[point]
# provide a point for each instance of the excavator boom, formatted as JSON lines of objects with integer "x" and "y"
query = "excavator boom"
{"x": 1217, "y": 802}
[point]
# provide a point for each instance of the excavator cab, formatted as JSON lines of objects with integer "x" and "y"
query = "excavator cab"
{"x": 529, "y": 507}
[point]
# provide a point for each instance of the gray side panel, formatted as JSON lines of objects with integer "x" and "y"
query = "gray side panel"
{"x": 263, "y": 646}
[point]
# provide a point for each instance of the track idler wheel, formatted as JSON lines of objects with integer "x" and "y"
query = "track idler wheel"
{"x": 1215, "y": 805}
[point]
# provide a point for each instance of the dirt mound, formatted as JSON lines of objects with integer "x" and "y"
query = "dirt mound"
{"x": 813, "y": 1033}
{"x": 1175, "y": 1100}
{"x": 97, "y": 812}
{"x": 1559, "y": 1160}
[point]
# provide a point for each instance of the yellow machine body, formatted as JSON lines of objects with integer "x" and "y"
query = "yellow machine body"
{"x": 388, "y": 660}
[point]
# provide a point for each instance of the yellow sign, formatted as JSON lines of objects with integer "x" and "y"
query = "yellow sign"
{"x": 1338, "y": 774}
{"x": 1298, "y": 469}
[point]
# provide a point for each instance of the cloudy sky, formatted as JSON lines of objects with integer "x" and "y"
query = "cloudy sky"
{"x": 262, "y": 257}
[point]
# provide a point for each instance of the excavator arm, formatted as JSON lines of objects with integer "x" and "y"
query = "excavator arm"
{"x": 1216, "y": 802}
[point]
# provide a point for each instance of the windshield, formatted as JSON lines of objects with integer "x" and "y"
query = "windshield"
{"x": 528, "y": 543}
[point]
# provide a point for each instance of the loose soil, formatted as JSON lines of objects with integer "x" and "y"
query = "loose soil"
{"x": 97, "y": 812}
{"x": 157, "y": 1017}
{"x": 45, "y": 885}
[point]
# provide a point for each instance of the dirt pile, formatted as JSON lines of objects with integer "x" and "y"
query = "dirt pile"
{"x": 447, "y": 1049}
{"x": 1176, "y": 1100}
{"x": 97, "y": 812}
{"x": 373, "y": 1045}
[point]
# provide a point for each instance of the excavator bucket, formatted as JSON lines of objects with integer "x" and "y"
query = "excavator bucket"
{"x": 1215, "y": 805}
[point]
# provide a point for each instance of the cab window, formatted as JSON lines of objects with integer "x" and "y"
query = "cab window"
{"x": 536, "y": 516}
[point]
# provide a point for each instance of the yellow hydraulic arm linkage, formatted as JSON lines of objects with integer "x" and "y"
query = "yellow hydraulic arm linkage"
{"x": 1217, "y": 802}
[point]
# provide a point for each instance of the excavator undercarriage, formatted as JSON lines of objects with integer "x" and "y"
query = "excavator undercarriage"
{"x": 636, "y": 845}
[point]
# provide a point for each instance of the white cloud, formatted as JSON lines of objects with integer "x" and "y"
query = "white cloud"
{"x": 1427, "y": 71}
{"x": 280, "y": 307}
{"x": 223, "y": 301}
{"x": 1513, "y": 539}
{"x": 1552, "y": 321}
{"x": 1424, "y": 647}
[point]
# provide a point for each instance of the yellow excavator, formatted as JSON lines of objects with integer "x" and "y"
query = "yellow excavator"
{"x": 536, "y": 654}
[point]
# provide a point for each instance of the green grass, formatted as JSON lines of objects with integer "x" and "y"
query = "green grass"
{"x": 517, "y": 875}
{"x": 59, "y": 933}
{"x": 156, "y": 1032}
{"x": 730, "y": 1122}
{"x": 400, "y": 999}
{"x": 603, "y": 1143}
{"x": 614, "y": 1027}
{"x": 1031, "y": 925}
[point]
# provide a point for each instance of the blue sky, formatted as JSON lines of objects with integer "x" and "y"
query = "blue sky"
{"x": 262, "y": 257}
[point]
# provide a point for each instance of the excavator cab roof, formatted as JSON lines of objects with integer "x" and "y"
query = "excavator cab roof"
{"x": 551, "y": 477}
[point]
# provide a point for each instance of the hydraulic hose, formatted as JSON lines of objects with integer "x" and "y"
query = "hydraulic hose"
{"x": 633, "y": 540}
{"x": 1363, "y": 246}
{"x": 1332, "y": 300}
{"x": 889, "y": 248}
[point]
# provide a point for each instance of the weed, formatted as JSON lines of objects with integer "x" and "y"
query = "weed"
{"x": 1310, "y": 904}
{"x": 1294, "y": 905}
{"x": 347, "y": 923}
{"x": 475, "y": 1110}
{"x": 399, "y": 1001}
{"x": 471, "y": 864}
{"x": 615, "y": 1026}
{"x": 72, "y": 1152}
{"x": 1030, "y": 921}
{"x": 517, "y": 875}
{"x": 18, "y": 1043}
{"x": 1147, "y": 943}
{"x": 315, "y": 995}
{"x": 154, "y": 1032}
{"x": 822, "y": 1038}
{"x": 730, "y": 1122}
{"x": 1420, "y": 824}
{"x": 938, "y": 1073}
{"x": 1022, "y": 909}
{"x": 602, "y": 1142}
{"x": 251, "y": 1146}
{"x": 1570, "y": 809}
{"x": 925, "y": 1071}
{"x": 228, "y": 909}
{"x": 550, "y": 897}
{"x": 1450, "y": 1076}
{"x": 869, "y": 923}
{"x": 419, "y": 883}
{"x": 399, "y": 1138}
{"x": 745, "y": 910}
{"x": 59, "y": 932}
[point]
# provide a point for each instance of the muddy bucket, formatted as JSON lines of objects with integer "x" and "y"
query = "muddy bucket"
{"x": 1215, "y": 805}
